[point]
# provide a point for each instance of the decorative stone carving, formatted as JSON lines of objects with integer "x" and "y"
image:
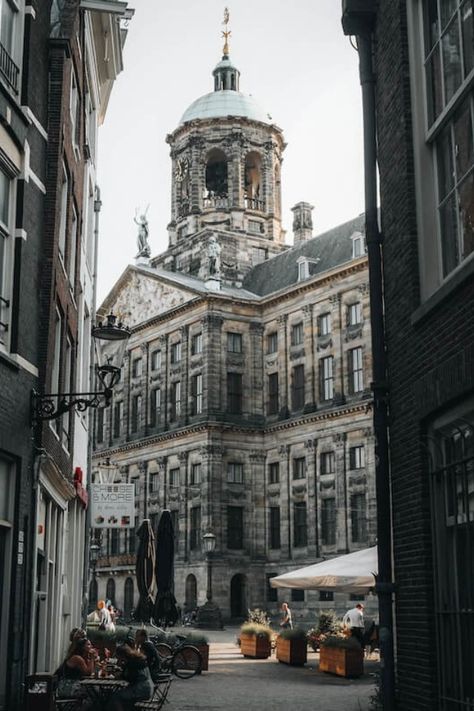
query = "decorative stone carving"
{"x": 183, "y": 457}
{"x": 284, "y": 449}
{"x": 162, "y": 464}
{"x": 299, "y": 488}
{"x": 294, "y": 355}
{"x": 311, "y": 444}
{"x": 353, "y": 332}
{"x": 364, "y": 288}
{"x": 324, "y": 342}
{"x": 257, "y": 456}
{"x": 142, "y": 298}
{"x": 282, "y": 320}
{"x": 327, "y": 484}
{"x": 339, "y": 437}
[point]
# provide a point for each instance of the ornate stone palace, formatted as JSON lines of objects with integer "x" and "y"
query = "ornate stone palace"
{"x": 244, "y": 405}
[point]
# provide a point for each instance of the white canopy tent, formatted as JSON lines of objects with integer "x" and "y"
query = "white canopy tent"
{"x": 351, "y": 573}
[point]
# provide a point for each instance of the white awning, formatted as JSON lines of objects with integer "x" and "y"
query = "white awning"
{"x": 352, "y": 573}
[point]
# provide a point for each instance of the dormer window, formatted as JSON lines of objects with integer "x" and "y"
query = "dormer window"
{"x": 304, "y": 267}
{"x": 358, "y": 245}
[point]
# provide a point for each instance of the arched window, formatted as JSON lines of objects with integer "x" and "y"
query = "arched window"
{"x": 93, "y": 595}
{"x": 216, "y": 175}
{"x": 253, "y": 181}
{"x": 128, "y": 594}
{"x": 110, "y": 591}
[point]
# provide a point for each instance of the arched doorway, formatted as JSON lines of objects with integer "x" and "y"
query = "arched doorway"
{"x": 238, "y": 597}
{"x": 110, "y": 591}
{"x": 128, "y": 593}
{"x": 93, "y": 595}
{"x": 190, "y": 596}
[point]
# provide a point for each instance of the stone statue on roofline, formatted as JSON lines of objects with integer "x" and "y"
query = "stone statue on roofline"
{"x": 143, "y": 232}
{"x": 213, "y": 253}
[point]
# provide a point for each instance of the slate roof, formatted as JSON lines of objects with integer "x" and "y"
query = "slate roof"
{"x": 331, "y": 248}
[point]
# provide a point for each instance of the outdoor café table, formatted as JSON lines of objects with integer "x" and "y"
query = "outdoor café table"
{"x": 101, "y": 689}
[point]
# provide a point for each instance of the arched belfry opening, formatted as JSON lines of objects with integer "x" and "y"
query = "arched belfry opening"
{"x": 253, "y": 188}
{"x": 217, "y": 187}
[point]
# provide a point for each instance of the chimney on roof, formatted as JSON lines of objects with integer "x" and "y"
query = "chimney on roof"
{"x": 302, "y": 222}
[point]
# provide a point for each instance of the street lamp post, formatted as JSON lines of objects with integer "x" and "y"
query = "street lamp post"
{"x": 94, "y": 553}
{"x": 209, "y": 615}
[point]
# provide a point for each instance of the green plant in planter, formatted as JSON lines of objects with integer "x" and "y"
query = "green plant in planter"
{"x": 260, "y": 617}
{"x": 296, "y": 633}
{"x": 257, "y": 629}
{"x": 341, "y": 642}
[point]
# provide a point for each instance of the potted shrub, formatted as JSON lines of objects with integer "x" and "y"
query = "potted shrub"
{"x": 106, "y": 639}
{"x": 202, "y": 643}
{"x": 291, "y": 647}
{"x": 342, "y": 656}
{"x": 255, "y": 640}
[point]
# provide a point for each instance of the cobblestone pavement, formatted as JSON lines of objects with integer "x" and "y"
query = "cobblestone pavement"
{"x": 239, "y": 684}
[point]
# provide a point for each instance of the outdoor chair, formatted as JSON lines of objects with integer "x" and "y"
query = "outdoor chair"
{"x": 160, "y": 694}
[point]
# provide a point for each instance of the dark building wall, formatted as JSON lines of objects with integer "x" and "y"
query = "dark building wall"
{"x": 17, "y": 365}
{"x": 420, "y": 346}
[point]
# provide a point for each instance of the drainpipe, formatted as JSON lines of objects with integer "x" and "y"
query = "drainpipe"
{"x": 359, "y": 19}
{"x": 85, "y": 579}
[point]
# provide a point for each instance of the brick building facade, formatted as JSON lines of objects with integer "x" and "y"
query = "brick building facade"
{"x": 424, "y": 71}
{"x": 244, "y": 405}
{"x": 54, "y": 90}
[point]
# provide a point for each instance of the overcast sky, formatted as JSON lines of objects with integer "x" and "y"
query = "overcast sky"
{"x": 295, "y": 61}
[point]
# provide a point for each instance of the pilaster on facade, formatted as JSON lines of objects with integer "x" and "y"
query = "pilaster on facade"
{"x": 311, "y": 456}
{"x": 342, "y": 496}
{"x": 310, "y": 363}
{"x": 284, "y": 384}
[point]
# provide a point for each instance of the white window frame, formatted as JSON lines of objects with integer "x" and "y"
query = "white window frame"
{"x": 7, "y": 256}
{"x": 235, "y": 472}
{"x": 356, "y": 370}
{"x": 74, "y": 105}
{"x": 425, "y": 138}
{"x": 324, "y": 324}
{"x": 327, "y": 378}
{"x": 354, "y": 314}
{"x": 196, "y": 344}
{"x": 175, "y": 352}
{"x": 358, "y": 245}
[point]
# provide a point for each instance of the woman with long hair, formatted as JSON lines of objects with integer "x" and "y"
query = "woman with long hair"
{"x": 136, "y": 672}
{"x": 78, "y": 664}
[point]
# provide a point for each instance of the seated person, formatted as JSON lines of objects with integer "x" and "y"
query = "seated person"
{"x": 79, "y": 663}
{"x": 143, "y": 644}
{"x": 136, "y": 672}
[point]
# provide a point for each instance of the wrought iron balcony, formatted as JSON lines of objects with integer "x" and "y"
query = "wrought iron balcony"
{"x": 8, "y": 69}
{"x": 216, "y": 201}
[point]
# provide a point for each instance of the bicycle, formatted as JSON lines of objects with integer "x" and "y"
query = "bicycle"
{"x": 182, "y": 659}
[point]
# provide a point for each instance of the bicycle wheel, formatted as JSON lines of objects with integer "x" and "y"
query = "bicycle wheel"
{"x": 164, "y": 650}
{"x": 186, "y": 662}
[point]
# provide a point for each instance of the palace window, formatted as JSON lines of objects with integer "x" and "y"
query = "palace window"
{"x": 358, "y": 518}
{"x": 274, "y": 473}
{"x": 196, "y": 344}
{"x": 136, "y": 409}
{"x": 175, "y": 393}
{"x": 356, "y": 371}
{"x": 300, "y": 530}
{"x": 155, "y": 406}
{"x": 357, "y": 457}
{"x": 234, "y": 342}
{"x": 275, "y": 539}
{"x": 235, "y": 472}
{"x": 175, "y": 352}
{"x": 354, "y": 314}
{"x": 272, "y": 342}
{"x": 299, "y": 468}
{"x": 195, "y": 528}
{"x": 156, "y": 360}
{"x": 328, "y": 462}
{"x": 297, "y": 334}
{"x": 297, "y": 387}
{"x": 272, "y": 394}
{"x": 326, "y": 378}
{"x": 195, "y": 474}
{"x": 234, "y": 393}
{"x": 173, "y": 477}
{"x": 235, "y": 527}
{"x": 324, "y": 324}
{"x": 196, "y": 394}
{"x": 328, "y": 522}
{"x": 136, "y": 367}
{"x": 117, "y": 424}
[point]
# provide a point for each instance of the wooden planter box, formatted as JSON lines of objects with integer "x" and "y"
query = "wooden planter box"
{"x": 204, "y": 649}
{"x": 340, "y": 661}
{"x": 254, "y": 646}
{"x": 291, "y": 651}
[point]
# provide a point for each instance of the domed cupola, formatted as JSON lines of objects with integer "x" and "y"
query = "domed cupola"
{"x": 226, "y": 163}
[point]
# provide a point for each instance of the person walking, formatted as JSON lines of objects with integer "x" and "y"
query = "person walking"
{"x": 354, "y": 619}
{"x": 287, "y": 622}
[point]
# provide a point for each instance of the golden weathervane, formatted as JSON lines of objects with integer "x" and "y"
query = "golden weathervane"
{"x": 226, "y": 33}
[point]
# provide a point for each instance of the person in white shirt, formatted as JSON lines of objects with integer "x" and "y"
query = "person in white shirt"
{"x": 354, "y": 619}
{"x": 286, "y": 622}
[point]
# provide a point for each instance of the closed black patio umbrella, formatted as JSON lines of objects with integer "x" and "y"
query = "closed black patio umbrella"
{"x": 145, "y": 568}
{"x": 165, "y": 611}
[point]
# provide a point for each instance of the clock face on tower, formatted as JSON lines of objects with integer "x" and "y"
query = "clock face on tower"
{"x": 182, "y": 168}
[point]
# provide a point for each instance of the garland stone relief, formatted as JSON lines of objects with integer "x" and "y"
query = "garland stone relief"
{"x": 141, "y": 299}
